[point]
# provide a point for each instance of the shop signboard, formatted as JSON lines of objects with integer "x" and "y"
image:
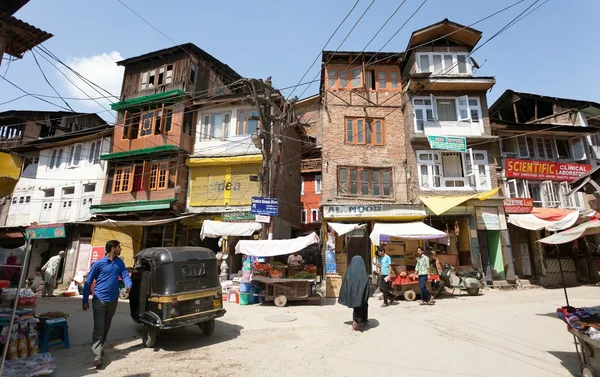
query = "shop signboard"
{"x": 263, "y": 219}
{"x": 264, "y": 206}
{"x": 42, "y": 232}
{"x": 97, "y": 253}
{"x": 238, "y": 216}
{"x": 371, "y": 211}
{"x": 487, "y": 218}
{"x": 448, "y": 143}
{"x": 545, "y": 170}
{"x": 518, "y": 205}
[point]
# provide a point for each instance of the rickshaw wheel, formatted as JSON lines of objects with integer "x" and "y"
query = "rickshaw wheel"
{"x": 410, "y": 295}
{"x": 472, "y": 291}
{"x": 207, "y": 327}
{"x": 149, "y": 334}
{"x": 280, "y": 301}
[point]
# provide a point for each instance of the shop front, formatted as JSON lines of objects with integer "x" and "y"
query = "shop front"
{"x": 47, "y": 241}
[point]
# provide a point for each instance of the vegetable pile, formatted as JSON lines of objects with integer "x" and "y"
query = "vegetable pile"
{"x": 50, "y": 315}
{"x": 305, "y": 275}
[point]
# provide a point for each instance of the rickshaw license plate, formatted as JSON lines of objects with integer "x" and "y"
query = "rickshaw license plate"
{"x": 197, "y": 302}
{"x": 217, "y": 303}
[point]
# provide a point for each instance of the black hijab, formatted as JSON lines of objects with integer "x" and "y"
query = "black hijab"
{"x": 355, "y": 286}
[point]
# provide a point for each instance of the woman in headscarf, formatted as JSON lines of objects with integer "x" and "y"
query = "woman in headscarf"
{"x": 354, "y": 292}
{"x": 11, "y": 273}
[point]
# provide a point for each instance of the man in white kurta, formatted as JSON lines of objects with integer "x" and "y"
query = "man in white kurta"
{"x": 50, "y": 270}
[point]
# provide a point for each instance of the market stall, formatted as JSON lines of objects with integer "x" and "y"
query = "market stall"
{"x": 278, "y": 282}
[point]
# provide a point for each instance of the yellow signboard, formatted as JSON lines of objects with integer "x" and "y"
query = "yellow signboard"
{"x": 214, "y": 186}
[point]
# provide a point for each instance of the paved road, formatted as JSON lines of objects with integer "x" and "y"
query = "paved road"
{"x": 496, "y": 334}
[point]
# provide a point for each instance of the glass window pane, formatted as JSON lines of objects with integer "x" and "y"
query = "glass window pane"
{"x": 424, "y": 176}
{"x": 378, "y": 132}
{"x": 419, "y": 119}
{"x": 92, "y": 153}
{"x": 349, "y": 131}
{"x": 77, "y": 156}
{"x": 381, "y": 78}
{"x": 252, "y": 123}
{"x": 356, "y": 78}
{"x": 424, "y": 63}
{"x": 386, "y": 183}
{"x": 394, "y": 79}
{"x": 353, "y": 182}
{"x": 578, "y": 149}
{"x": 448, "y": 66}
{"x": 437, "y": 63}
{"x": 446, "y": 109}
{"x": 331, "y": 77}
{"x": 216, "y": 131}
{"x": 369, "y": 132}
{"x": 343, "y": 186}
{"x": 562, "y": 146}
{"x": 462, "y": 63}
{"x": 241, "y": 119}
{"x": 376, "y": 183}
{"x": 360, "y": 131}
{"x": 429, "y": 113}
{"x": 364, "y": 182}
{"x": 343, "y": 79}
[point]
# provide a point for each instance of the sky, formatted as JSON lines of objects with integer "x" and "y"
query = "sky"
{"x": 553, "y": 51}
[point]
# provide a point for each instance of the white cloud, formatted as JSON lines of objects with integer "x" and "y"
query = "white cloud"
{"x": 103, "y": 71}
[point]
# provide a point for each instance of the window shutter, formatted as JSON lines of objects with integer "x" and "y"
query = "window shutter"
{"x": 522, "y": 146}
{"x": 131, "y": 173}
{"x": 163, "y": 120}
{"x": 463, "y": 108}
{"x": 433, "y": 107}
{"x": 564, "y": 199}
{"x": 146, "y": 168}
{"x": 469, "y": 163}
{"x": 548, "y": 196}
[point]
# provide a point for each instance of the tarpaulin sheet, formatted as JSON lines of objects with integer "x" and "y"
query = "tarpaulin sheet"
{"x": 413, "y": 231}
{"x": 342, "y": 229}
{"x": 441, "y": 204}
{"x": 555, "y": 223}
{"x": 119, "y": 223}
{"x": 214, "y": 229}
{"x": 272, "y": 248}
{"x": 586, "y": 229}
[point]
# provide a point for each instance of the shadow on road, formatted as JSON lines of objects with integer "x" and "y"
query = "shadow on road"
{"x": 373, "y": 323}
{"x": 569, "y": 361}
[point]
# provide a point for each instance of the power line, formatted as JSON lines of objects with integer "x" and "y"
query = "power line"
{"x": 47, "y": 81}
{"x": 325, "y": 45}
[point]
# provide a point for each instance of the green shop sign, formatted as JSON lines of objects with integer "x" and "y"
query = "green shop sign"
{"x": 238, "y": 216}
{"x": 448, "y": 143}
{"x": 45, "y": 232}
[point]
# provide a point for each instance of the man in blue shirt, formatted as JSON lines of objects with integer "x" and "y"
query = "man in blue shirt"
{"x": 106, "y": 273}
{"x": 383, "y": 262}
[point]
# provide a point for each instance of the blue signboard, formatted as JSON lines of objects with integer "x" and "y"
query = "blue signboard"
{"x": 45, "y": 232}
{"x": 264, "y": 206}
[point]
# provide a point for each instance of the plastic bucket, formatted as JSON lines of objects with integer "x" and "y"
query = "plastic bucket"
{"x": 246, "y": 287}
{"x": 245, "y": 299}
{"x": 251, "y": 292}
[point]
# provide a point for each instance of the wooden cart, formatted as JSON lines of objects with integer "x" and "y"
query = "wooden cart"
{"x": 590, "y": 354}
{"x": 280, "y": 290}
{"x": 408, "y": 288}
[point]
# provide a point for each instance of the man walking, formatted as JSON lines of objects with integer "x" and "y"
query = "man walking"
{"x": 106, "y": 273}
{"x": 384, "y": 262}
{"x": 422, "y": 270}
{"x": 50, "y": 271}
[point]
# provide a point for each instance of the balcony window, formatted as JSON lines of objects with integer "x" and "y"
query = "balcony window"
{"x": 215, "y": 126}
{"x": 453, "y": 171}
{"x": 155, "y": 120}
{"x": 94, "y": 155}
{"x": 443, "y": 63}
{"x": 547, "y": 194}
{"x": 547, "y": 148}
{"x": 75, "y": 155}
{"x": 365, "y": 182}
{"x": 150, "y": 79}
{"x": 446, "y": 111}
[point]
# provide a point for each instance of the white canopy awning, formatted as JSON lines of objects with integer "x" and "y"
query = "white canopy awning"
{"x": 532, "y": 222}
{"x": 342, "y": 229}
{"x": 118, "y": 223}
{"x": 214, "y": 229}
{"x": 586, "y": 229}
{"x": 413, "y": 231}
{"x": 271, "y": 248}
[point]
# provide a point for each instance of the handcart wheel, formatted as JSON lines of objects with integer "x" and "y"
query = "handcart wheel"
{"x": 149, "y": 334}
{"x": 410, "y": 295}
{"x": 280, "y": 301}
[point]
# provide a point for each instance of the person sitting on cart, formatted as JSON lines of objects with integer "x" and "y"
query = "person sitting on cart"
{"x": 295, "y": 259}
{"x": 383, "y": 263}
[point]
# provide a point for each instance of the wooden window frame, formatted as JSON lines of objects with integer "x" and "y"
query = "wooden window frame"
{"x": 158, "y": 124}
{"x": 122, "y": 174}
{"x": 373, "y": 133}
{"x": 370, "y": 171}
{"x": 349, "y": 75}
{"x": 152, "y": 172}
{"x": 242, "y": 127}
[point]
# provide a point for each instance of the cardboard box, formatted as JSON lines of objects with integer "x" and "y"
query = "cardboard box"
{"x": 333, "y": 284}
{"x": 394, "y": 249}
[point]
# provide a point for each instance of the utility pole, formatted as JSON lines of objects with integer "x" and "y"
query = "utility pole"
{"x": 273, "y": 116}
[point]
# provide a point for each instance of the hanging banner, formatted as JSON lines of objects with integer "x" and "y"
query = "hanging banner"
{"x": 40, "y": 232}
{"x": 97, "y": 253}
{"x": 448, "y": 143}
{"x": 545, "y": 170}
{"x": 518, "y": 205}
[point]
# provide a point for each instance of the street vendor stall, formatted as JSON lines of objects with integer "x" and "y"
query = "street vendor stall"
{"x": 276, "y": 286}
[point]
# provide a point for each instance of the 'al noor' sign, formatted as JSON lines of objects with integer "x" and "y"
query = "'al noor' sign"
{"x": 545, "y": 170}
{"x": 370, "y": 210}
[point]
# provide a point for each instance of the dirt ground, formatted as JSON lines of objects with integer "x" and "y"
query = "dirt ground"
{"x": 496, "y": 334}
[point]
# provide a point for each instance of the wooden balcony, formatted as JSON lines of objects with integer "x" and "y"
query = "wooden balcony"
{"x": 310, "y": 165}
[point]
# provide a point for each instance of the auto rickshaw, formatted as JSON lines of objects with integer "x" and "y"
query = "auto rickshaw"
{"x": 174, "y": 287}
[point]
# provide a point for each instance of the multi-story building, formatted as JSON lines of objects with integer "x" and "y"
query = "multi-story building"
{"x": 546, "y": 143}
{"x": 450, "y": 148}
{"x": 63, "y": 177}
